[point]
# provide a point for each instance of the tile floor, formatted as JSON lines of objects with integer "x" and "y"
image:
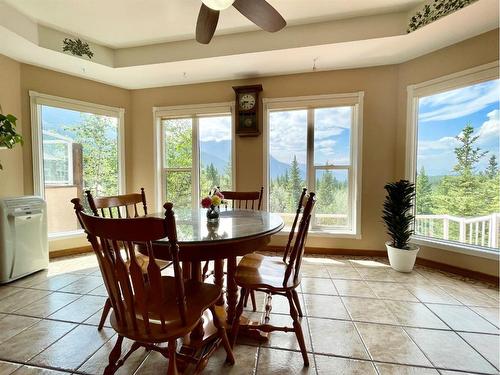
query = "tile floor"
{"x": 362, "y": 318}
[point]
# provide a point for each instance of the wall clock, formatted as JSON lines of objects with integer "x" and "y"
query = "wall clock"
{"x": 247, "y": 110}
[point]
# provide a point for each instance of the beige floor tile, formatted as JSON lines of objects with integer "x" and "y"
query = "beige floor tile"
{"x": 48, "y": 305}
{"x": 370, "y": 263}
{"x": 461, "y": 318}
{"x": 369, "y": 310}
{"x": 279, "y": 304}
{"x": 491, "y": 314}
{"x": 415, "y": 314}
{"x": 33, "y": 340}
{"x": 96, "y": 319}
{"x": 154, "y": 364}
{"x": 431, "y": 294}
{"x": 309, "y": 270}
{"x": 11, "y": 325}
{"x": 313, "y": 285}
{"x": 32, "y": 370}
{"x": 353, "y": 288}
{"x": 388, "y": 369}
{"x": 393, "y": 291}
{"x": 487, "y": 345}
{"x": 20, "y": 299}
{"x": 490, "y": 292}
{"x": 57, "y": 282}
{"x": 283, "y": 362}
{"x": 99, "y": 291}
{"x": 30, "y": 280}
{"x": 320, "y": 306}
{"x": 260, "y": 299}
{"x": 408, "y": 277}
{"x": 470, "y": 296}
{"x": 343, "y": 272}
{"x": 375, "y": 274}
{"x": 336, "y": 337}
{"x": 246, "y": 360}
{"x": 100, "y": 359}
{"x": 83, "y": 285}
{"x": 447, "y": 350}
{"x": 287, "y": 340}
{"x": 6, "y": 291}
{"x": 7, "y": 368}
{"x": 74, "y": 348}
{"x": 334, "y": 365}
{"x": 391, "y": 344}
{"x": 443, "y": 372}
{"x": 80, "y": 310}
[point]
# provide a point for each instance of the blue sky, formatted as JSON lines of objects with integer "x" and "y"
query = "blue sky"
{"x": 442, "y": 116}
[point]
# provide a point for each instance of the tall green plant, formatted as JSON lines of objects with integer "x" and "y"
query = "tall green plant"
{"x": 398, "y": 213}
{"x": 8, "y": 134}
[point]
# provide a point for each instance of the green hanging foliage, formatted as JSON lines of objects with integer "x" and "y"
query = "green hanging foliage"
{"x": 77, "y": 47}
{"x": 8, "y": 135}
{"x": 434, "y": 11}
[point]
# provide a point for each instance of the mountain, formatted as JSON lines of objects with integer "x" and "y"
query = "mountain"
{"x": 216, "y": 153}
{"x": 278, "y": 168}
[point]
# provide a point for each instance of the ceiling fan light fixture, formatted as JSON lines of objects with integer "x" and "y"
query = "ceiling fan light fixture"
{"x": 218, "y": 4}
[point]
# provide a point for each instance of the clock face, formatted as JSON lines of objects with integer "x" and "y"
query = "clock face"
{"x": 247, "y": 102}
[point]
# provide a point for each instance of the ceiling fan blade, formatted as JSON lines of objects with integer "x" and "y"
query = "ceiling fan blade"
{"x": 261, "y": 13}
{"x": 206, "y": 24}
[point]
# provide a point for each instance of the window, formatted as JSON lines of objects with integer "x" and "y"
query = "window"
{"x": 195, "y": 144}
{"x": 454, "y": 151}
{"x": 314, "y": 142}
{"x": 77, "y": 147}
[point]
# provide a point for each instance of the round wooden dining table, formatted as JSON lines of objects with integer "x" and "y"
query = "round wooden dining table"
{"x": 237, "y": 232}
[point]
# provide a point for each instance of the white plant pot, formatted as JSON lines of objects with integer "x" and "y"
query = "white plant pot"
{"x": 402, "y": 260}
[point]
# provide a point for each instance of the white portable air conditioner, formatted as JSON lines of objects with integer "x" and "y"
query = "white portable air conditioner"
{"x": 24, "y": 245}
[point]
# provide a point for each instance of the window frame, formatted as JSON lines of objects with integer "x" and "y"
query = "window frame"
{"x": 438, "y": 85}
{"x": 37, "y": 100}
{"x": 310, "y": 103}
{"x": 69, "y": 151}
{"x": 194, "y": 112}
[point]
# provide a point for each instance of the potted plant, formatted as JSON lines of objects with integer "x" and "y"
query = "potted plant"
{"x": 8, "y": 135}
{"x": 212, "y": 203}
{"x": 398, "y": 218}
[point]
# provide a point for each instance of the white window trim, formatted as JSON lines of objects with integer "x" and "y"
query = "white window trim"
{"x": 317, "y": 101}
{"x": 192, "y": 110}
{"x": 36, "y": 101}
{"x": 467, "y": 77}
{"x": 69, "y": 151}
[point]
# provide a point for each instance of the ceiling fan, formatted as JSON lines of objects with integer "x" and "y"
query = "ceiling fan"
{"x": 259, "y": 12}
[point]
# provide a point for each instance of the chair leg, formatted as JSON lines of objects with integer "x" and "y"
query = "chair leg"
{"x": 104, "y": 315}
{"x": 245, "y": 303}
{"x": 223, "y": 336}
{"x": 297, "y": 302}
{"x": 114, "y": 356}
{"x": 172, "y": 358}
{"x": 236, "y": 321}
{"x": 297, "y": 328}
{"x": 254, "y": 304}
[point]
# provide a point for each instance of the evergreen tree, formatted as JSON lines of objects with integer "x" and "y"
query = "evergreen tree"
{"x": 467, "y": 155}
{"x": 424, "y": 193}
{"x": 295, "y": 184}
{"x": 492, "y": 168}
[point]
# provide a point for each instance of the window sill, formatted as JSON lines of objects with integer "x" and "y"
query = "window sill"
{"x": 324, "y": 233}
{"x": 457, "y": 248}
{"x": 66, "y": 235}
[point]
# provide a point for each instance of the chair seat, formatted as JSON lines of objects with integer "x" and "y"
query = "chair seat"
{"x": 256, "y": 271}
{"x": 199, "y": 297}
{"x": 143, "y": 262}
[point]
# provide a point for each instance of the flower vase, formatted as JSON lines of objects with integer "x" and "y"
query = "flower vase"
{"x": 213, "y": 214}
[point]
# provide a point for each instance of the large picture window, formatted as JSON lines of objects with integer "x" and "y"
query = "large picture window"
{"x": 196, "y": 152}
{"x": 314, "y": 143}
{"x": 456, "y": 132}
{"x": 76, "y": 147}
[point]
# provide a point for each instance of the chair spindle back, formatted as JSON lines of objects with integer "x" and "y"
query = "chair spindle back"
{"x": 296, "y": 252}
{"x": 249, "y": 200}
{"x": 120, "y": 204}
{"x": 136, "y": 297}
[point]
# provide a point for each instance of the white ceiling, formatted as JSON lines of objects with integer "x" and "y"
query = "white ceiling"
{"x": 126, "y": 23}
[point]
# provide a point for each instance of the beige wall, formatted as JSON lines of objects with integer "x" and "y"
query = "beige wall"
{"x": 11, "y": 178}
{"x": 383, "y": 131}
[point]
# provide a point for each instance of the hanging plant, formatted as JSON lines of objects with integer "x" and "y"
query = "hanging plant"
{"x": 77, "y": 47}
{"x": 8, "y": 135}
{"x": 434, "y": 11}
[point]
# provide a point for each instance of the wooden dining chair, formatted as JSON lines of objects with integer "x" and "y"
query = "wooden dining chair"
{"x": 122, "y": 206}
{"x": 256, "y": 272}
{"x": 154, "y": 309}
{"x": 249, "y": 200}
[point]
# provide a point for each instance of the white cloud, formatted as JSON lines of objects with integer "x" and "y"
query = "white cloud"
{"x": 215, "y": 129}
{"x": 490, "y": 130}
{"x": 460, "y": 102}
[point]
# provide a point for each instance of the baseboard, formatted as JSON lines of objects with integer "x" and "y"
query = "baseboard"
{"x": 68, "y": 252}
{"x": 380, "y": 253}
